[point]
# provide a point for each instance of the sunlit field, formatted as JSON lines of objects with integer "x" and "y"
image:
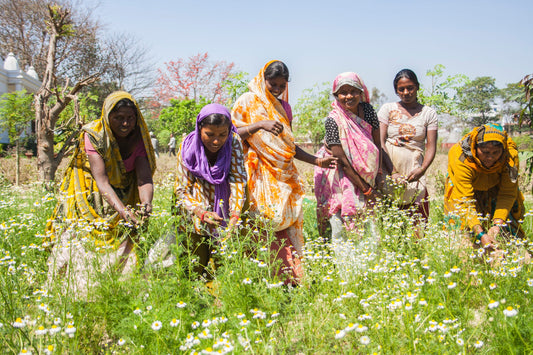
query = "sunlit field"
{"x": 398, "y": 293}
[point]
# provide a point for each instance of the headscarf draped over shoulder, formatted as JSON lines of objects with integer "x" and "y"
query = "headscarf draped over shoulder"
{"x": 274, "y": 185}
{"x": 352, "y": 79}
{"x": 81, "y": 201}
{"x": 104, "y": 142}
{"x": 490, "y": 133}
{"x": 195, "y": 159}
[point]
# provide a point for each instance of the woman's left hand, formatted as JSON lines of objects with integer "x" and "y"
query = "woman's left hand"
{"x": 327, "y": 162}
{"x": 145, "y": 210}
{"x": 415, "y": 175}
{"x": 493, "y": 232}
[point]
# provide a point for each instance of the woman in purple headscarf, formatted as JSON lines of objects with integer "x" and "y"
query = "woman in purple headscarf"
{"x": 211, "y": 179}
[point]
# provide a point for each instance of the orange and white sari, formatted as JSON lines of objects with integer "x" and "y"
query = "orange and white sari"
{"x": 276, "y": 192}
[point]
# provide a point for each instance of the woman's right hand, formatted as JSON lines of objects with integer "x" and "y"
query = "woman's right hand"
{"x": 129, "y": 216}
{"x": 210, "y": 218}
{"x": 273, "y": 127}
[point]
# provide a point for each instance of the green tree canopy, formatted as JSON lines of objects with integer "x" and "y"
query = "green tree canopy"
{"x": 16, "y": 112}
{"x": 235, "y": 85}
{"x": 476, "y": 97}
{"x": 442, "y": 95}
{"x": 180, "y": 116}
{"x": 311, "y": 109}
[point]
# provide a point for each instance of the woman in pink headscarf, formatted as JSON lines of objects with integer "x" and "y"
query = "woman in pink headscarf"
{"x": 352, "y": 136}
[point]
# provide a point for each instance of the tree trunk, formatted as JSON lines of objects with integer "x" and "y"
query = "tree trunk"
{"x": 46, "y": 116}
{"x": 45, "y": 145}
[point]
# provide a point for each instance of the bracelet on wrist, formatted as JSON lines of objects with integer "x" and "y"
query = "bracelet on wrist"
{"x": 368, "y": 192}
{"x": 202, "y": 216}
{"x": 480, "y": 235}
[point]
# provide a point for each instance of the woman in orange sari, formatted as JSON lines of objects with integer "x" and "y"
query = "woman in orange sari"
{"x": 264, "y": 123}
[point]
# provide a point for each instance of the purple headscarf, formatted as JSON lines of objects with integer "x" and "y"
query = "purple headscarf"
{"x": 195, "y": 160}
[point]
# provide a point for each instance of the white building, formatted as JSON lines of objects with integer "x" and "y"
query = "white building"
{"x": 12, "y": 78}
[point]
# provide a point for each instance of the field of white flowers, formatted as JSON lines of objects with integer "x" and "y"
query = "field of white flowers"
{"x": 400, "y": 294}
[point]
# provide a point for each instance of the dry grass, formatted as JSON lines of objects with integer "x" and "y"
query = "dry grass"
{"x": 166, "y": 167}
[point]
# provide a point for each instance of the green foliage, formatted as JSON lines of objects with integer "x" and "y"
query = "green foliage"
{"x": 16, "y": 112}
{"x": 514, "y": 98}
{"x": 377, "y": 98}
{"x": 235, "y": 85}
{"x": 401, "y": 294}
{"x": 310, "y": 111}
{"x": 476, "y": 97}
{"x": 180, "y": 116}
{"x": 83, "y": 109}
{"x": 526, "y": 114}
{"x": 442, "y": 95}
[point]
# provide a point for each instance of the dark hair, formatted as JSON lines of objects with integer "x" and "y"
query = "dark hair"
{"x": 124, "y": 103}
{"x": 408, "y": 74}
{"x": 277, "y": 69}
{"x": 495, "y": 144}
{"x": 215, "y": 119}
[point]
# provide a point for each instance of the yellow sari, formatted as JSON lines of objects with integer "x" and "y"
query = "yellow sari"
{"x": 83, "y": 221}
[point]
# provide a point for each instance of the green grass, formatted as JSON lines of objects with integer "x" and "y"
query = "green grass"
{"x": 398, "y": 295}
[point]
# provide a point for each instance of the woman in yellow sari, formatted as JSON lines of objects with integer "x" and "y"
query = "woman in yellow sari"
{"x": 276, "y": 194}
{"x": 106, "y": 194}
{"x": 482, "y": 181}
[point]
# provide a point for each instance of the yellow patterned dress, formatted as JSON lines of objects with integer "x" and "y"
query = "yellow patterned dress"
{"x": 85, "y": 231}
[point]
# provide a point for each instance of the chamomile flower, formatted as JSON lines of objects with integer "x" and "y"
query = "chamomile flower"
{"x": 121, "y": 342}
{"x": 18, "y": 323}
{"x": 478, "y": 344}
{"x": 452, "y": 285}
{"x": 70, "y": 330}
{"x": 493, "y": 304}
{"x": 361, "y": 328}
{"x": 510, "y": 311}
{"x": 41, "y": 330}
{"x": 54, "y": 329}
{"x": 174, "y": 322}
{"x": 365, "y": 340}
{"x": 339, "y": 334}
{"x": 247, "y": 281}
{"x": 181, "y": 304}
{"x": 271, "y": 322}
{"x": 156, "y": 325}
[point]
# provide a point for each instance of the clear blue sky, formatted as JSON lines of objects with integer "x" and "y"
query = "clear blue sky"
{"x": 319, "y": 39}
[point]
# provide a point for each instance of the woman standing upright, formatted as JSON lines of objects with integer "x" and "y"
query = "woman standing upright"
{"x": 408, "y": 132}
{"x": 352, "y": 136}
{"x": 276, "y": 194}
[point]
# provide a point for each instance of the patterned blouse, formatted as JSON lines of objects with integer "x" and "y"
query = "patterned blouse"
{"x": 406, "y": 131}
{"x": 332, "y": 130}
{"x": 192, "y": 192}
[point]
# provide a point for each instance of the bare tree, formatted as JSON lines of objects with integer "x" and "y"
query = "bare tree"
{"x": 129, "y": 66}
{"x": 59, "y": 26}
{"x": 66, "y": 45}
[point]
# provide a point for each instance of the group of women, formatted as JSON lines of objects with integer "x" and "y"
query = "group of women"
{"x": 245, "y": 160}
